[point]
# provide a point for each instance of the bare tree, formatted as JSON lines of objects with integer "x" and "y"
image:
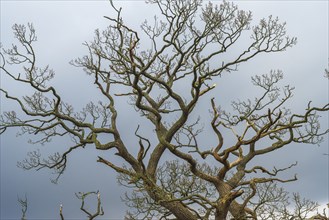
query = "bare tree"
{"x": 99, "y": 209}
{"x": 80, "y": 195}
{"x": 23, "y": 204}
{"x": 187, "y": 47}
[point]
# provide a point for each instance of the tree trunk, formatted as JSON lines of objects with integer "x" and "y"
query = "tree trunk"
{"x": 221, "y": 213}
{"x": 228, "y": 203}
{"x": 237, "y": 211}
{"x": 179, "y": 210}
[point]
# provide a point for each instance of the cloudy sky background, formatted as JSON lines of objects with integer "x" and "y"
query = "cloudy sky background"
{"x": 62, "y": 27}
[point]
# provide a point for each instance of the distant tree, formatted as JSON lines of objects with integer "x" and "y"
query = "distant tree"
{"x": 326, "y": 71}
{"x": 80, "y": 195}
{"x": 99, "y": 209}
{"x": 188, "y": 42}
{"x": 23, "y": 204}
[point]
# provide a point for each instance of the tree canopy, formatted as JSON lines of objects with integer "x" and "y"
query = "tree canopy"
{"x": 189, "y": 45}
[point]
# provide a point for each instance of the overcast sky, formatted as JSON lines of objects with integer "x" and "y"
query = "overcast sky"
{"x": 62, "y": 27}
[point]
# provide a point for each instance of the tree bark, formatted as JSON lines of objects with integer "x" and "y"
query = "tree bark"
{"x": 227, "y": 203}
{"x": 177, "y": 208}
